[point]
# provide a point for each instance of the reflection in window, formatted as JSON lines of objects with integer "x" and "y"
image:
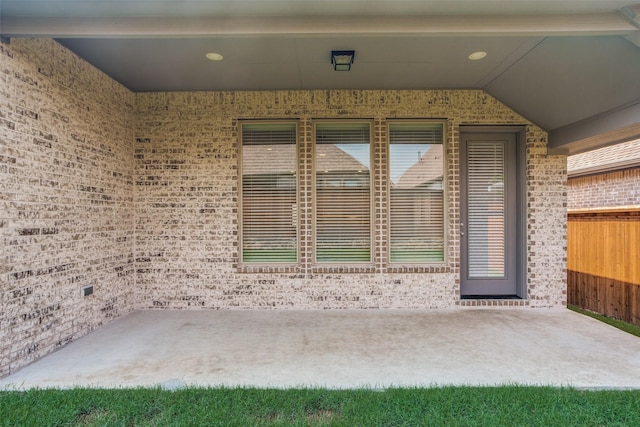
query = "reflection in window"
{"x": 269, "y": 193}
{"x": 343, "y": 192}
{"x": 416, "y": 192}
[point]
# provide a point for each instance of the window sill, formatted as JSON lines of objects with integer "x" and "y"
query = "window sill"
{"x": 411, "y": 269}
{"x": 343, "y": 269}
{"x": 270, "y": 268}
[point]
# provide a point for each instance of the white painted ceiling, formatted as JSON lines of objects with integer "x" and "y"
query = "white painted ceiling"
{"x": 572, "y": 67}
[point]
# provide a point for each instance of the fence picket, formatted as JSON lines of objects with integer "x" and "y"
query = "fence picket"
{"x": 603, "y": 262}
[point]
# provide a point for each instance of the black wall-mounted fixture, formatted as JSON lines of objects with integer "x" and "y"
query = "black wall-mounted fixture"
{"x": 342, "y": 59}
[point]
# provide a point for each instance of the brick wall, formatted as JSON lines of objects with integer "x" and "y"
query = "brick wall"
{"x": 136, "y": 194}
{"x": 546, "y": 224}
{"x": 186, "y": 154}
{"x": 605, "y": 190}
{"x": 66, "y": 214}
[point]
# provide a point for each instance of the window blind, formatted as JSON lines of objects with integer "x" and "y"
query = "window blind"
{"x": 269, "y": 192}
{"x": 416, "y": 192}
{"x": 486, "y": 209}
{"x": 343, "y": 192}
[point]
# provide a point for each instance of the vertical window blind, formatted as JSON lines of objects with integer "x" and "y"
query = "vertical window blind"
{"x": 343, "y": 192}
{"x": 486, "y": 210}
{"x": 269, "y": 192}
{"x": 416, "y": 211}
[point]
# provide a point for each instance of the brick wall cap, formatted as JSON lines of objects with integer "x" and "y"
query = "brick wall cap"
{"x": 618, "y": 209}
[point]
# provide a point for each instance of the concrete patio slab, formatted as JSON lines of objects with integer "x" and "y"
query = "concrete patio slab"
{"x": 343, "y": 349}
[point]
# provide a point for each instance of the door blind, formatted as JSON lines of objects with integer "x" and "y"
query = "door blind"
{"x": 343, "y": 192}
{"x": 486, "y": 209}
{"x": 416, "y": 192}
{"x": 269, "y": 193}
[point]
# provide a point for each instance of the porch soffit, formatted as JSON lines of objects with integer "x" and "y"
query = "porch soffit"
{"x": 570, "y": 67}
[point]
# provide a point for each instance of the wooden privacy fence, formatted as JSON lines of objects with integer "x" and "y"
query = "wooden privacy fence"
{"x": 603, "y": 262}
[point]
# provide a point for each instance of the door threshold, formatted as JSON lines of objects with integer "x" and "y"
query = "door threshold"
{"x": 492, "y": 297}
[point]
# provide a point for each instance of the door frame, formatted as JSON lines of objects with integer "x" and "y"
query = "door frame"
{"x": 521, "y": 198}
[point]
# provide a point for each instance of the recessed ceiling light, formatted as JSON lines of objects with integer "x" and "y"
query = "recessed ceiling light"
{"x": 214, "y": 56}
{"x": 477, "y": 55}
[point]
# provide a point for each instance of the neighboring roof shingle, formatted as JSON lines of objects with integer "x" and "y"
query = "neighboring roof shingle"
{"x": 619, "y": 156}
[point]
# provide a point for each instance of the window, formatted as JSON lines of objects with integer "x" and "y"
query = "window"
{"x": 313, "y": 202}
{"x": 416, "y": 192}
{"x": 269, "y": 193}
{"x": 486, "y": 210}
{"x": 343, "y": 192}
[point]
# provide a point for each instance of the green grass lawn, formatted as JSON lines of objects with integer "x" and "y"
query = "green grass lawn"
{"x": 627, "y": 327}
{"x": 323, "y": 255}
{"x": 416, "y": 255}
{"x": 448, "y": 406}
{"x": 269, "y": 255}
{"x": 340, "y": 255}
